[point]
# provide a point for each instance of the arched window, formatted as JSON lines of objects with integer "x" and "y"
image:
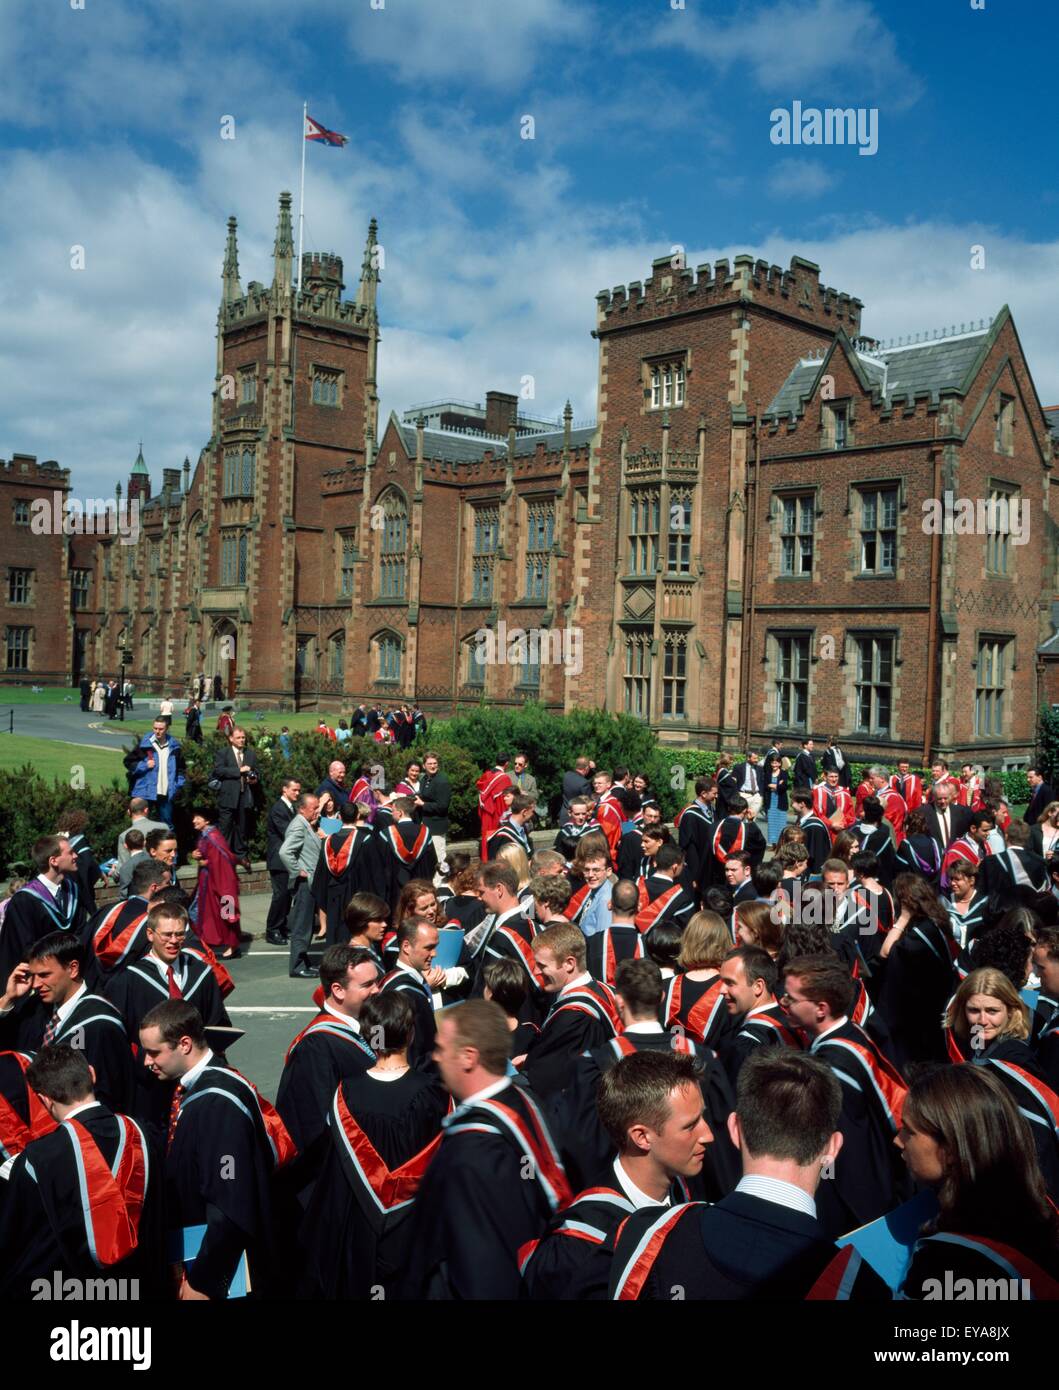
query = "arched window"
{"x": 247, "y": 481}
{"x": 389, "y": 650}
{"x": 393, "y": 546}
{"x": 336, "y": 657}
{"x": 474, "y": 653}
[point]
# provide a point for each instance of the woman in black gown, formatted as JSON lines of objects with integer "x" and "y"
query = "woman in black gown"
{"x": 385, "y": 1126}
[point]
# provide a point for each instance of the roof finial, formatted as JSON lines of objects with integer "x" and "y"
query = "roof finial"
{"x": 231, "y": 289}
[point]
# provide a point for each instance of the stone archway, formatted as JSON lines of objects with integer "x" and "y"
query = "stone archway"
{"x": 222, "y": 656}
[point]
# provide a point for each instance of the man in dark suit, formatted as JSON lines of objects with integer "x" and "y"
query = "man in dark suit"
{"x": 280, "y": 815}
{"x": 803, "y": 773}
{"x": 86, "y": 691}
{"x": 1042, "y": 794}
{"x": 834, "y": 759}
{"x": 945, "y": 820}
{"x": 749, "y": 777}
{"x": 235, "y": 767}
{"x": 432, "y": 804}
{"x": 575, "y": 784}
{"x": 764, "y": 1239}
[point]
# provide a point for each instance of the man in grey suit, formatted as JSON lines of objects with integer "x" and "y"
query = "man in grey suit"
{"x": 138, "y": 820}
{"x": 300, "y": 854}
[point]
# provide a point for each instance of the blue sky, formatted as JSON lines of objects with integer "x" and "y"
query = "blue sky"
{"x": 651, "y": 130}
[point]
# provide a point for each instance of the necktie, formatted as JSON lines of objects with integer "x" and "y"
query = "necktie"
{"x": 51, "y": 1028}
{"x": 239, "y": 756}
{"x": 174, "y": 988}
{"x": 174, "y": 1114}
{"x": 944, "y": 818}
{"x": 63, "y": 897}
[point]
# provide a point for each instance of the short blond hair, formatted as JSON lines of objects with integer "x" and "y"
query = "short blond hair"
{"x": 706, "y": 941}
{"x": 563, "y": 940}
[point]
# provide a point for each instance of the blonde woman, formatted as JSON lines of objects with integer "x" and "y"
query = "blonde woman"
{"x": 1044, "y": 836}
{"x": 694, "y": 1002}
{"x": 988, "y": 1023}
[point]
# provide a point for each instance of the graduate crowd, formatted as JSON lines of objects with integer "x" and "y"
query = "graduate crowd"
{"x": 708, "y": 1060}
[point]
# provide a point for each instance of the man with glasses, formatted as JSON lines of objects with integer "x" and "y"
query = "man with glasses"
{"x": 167, "y": 971}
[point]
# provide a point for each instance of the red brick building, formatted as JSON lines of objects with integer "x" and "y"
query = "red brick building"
{"x": 742, "y": 546}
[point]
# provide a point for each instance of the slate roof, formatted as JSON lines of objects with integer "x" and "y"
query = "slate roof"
{"x": 935, "y": 366}
{"x": 470, "y": 448}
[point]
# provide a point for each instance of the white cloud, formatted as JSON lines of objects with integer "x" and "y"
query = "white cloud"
{"x": 799, "y": 178}
{"x": 801, "y": 46}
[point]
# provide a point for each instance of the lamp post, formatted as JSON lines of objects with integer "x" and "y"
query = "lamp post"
{"x": 123, "y": 655}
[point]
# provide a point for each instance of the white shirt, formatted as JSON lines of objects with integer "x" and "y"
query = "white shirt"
{"x": 352, "y": 1022}
{"x": 784, "y": 1194}
{"x": 53, "y": 888}
{"x": 645, "y": 1025}
{"x": 65, "y": 1010}
{"x": 636, "y": 1195}
{"x": 827, "y": 1032}
{"x": 81, "y": 1105}
{"x": 487, "y": 1092}
{"x": 583, "y": 979}
{"x": 162, "y": 966}
{"x": 190, "y": 1077}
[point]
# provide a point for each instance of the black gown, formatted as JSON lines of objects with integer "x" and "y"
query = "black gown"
{"x": 44, "y": 1229}
{"x": 340, "y": 874}
{"x": 95, "y": 1028}
{"x": 911, "y": 988}
{"x": 31, "y": 914}
{"x": 380, "y": 1139}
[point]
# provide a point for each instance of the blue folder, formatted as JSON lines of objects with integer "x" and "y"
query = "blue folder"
{"x": 450, "y": 944}
{"x": 887, "y": 1244}
{"x": 330, "y": 825}
{"x": 184, "y": 1245}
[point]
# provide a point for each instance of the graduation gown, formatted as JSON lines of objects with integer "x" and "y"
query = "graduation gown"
{"x": 920, "y": 854}
{"x": 1000, "y": 875}
{"x": 818, "y": 841}
{"x": 1013, "y": 1063}
{"x": 380, "y": 1140}
{"x": 224, "y": 1127}
{"x": 744, "y": 1247}
{"x": 476, "y": 1207}
{"x": 667, "y": 901}
{"x": 948, "y": 1257}
{"x": 491, "y": 788}
{"x": 395, "y": 854}
{"x": 911, "y": 988}
{"x": 733, "y": 834}
{"x": 95, "y": 1028}
{"x": 511, "y": 940}
{"x": 867, "y": 1180}
{"x": 323, "y": 1054}
{"x": 339, "y": 875}
{"x": 117, "y": 934}
{"x": 630, "y": 851}
{"x": 877, "y": 840}
{"x": 88, "y": 872}
{"x": 138, "y": 988}
{"x": 695, "y": 826}
{"x": 566, "y": 841}
{"x": 508, "y": 833}
{"x": 33, "y": 912}
{"x": 605, "y": 950}
{"x": 22, "y": 1116}
{"x": 49, "y": 1231}
{"x": 698, "y": 1007}
{"x": 571, "y": 1260}
{"x": 582, "y": 1016}
{"x": 584, "y": 1144}
{"x": 421, "y": 998}
{"x": 766, "y": 1028}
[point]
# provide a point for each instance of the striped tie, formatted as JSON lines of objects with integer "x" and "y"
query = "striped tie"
{"x": 174, "y": 1114}
{"x": 51, "y": 1028}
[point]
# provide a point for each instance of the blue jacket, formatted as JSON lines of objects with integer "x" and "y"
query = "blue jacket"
{"x": 146, "y": 778}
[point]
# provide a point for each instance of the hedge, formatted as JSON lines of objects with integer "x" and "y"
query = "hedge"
{"x": 465, "y": 744}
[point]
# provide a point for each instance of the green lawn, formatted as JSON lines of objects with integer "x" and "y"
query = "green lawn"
{"x": 49, "y": 695}
{"x": 50, "y": 759}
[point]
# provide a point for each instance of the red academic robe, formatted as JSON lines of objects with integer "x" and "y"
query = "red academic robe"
{"x": 491, "y": 788}
{"x": 217, "y": 891}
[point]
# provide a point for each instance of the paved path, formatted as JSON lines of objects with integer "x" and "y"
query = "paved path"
{"x": 67, "y": 723}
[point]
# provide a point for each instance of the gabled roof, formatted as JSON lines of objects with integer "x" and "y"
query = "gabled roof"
{"x": 942, "y": 364}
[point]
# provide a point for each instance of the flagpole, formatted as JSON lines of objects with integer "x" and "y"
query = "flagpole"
{"x": 301, "y": 196}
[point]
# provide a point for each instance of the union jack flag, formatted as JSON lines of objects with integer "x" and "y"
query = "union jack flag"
{"x": 315, "y": 131}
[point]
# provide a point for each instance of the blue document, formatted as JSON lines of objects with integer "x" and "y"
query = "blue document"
{"x": 330, "y": 825}
{"x": 450, "y": 944}
{"x": 184, "y": 1245}
{"x": 887, "y": 1244}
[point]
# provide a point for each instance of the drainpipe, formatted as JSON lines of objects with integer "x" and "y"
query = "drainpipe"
{"x": 931, "y": 716}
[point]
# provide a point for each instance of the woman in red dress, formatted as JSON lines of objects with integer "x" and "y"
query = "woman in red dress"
{"x": 215, "y": 910}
